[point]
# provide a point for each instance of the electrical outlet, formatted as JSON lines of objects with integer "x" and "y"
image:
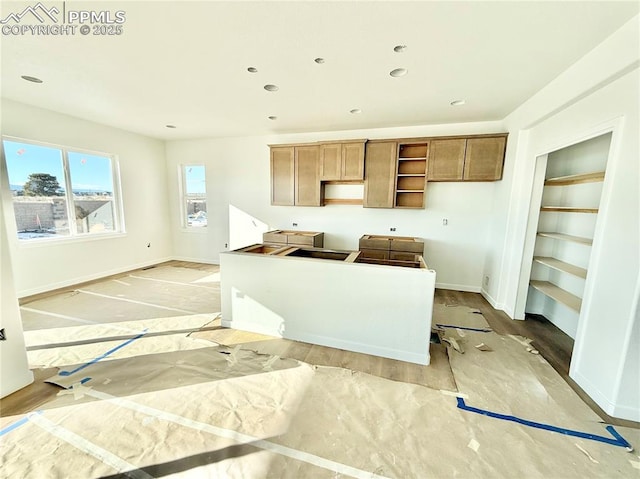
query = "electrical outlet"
{"x": 445, "y": 221}
{"x": 295, "y": 225}
{"x": 226, "y": 245}
{"x": 486, "y": 280}
{"x": 392, "y": 229}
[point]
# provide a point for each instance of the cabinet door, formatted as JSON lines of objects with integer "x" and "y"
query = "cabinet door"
{"x": 331, "y": 161}
{"x": 352, "y": 161}
{"x": 282, "y": 175}
{"x": 307, "y": 176}
{"x": 380, "y": 174}
{"x": 484, "y": 159}
{"x": 446, "y": 160}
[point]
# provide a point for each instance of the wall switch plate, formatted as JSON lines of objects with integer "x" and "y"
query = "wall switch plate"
{"x": 392, "y": 229}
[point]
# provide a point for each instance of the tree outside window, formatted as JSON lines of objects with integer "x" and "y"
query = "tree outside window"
{"x": 52, "y": 184}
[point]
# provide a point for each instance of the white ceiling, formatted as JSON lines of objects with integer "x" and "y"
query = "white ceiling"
{"x": 185, "y": 63}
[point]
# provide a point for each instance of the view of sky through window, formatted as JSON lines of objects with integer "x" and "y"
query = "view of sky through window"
{"x": 24, "y": 159}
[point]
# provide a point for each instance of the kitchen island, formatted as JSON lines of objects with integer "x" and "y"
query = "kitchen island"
{"x": 331, "y": 298}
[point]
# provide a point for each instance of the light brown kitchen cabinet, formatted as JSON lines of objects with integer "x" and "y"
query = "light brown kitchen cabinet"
{"x": 295, "y": 175}
{"x": 342, "y": 161}
{"x": 282, "y": 175}
{"x": 307, "y": 176}
{"x": 395, "y": 171}
{"x": 446, "y": 159}
{"x": 484, "y": 158}
{"x": 467, "y": 159}
{"x": 380, "y": 174}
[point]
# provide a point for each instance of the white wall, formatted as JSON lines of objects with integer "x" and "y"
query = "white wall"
{"x": 238, "y": 176}
{"x": 14, "y": 369}
{"x": 143, "y": 171}
{"x": 372, "y": 309}
{"x": 597, "y": 94}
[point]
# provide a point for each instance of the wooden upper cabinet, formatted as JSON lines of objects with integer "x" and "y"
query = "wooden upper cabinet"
{"x": 282, "y": 175}
{"x": 353, "y": 161}
{"x": 307, "y": 176}
{"x": 342, "y": 161}
{"x": 295, "y": 175}
{"x": 446, "y": 159}
{"x": 380, "y": 174}
{"x": 330, "y": 161}
{"x": 484, "y": 158}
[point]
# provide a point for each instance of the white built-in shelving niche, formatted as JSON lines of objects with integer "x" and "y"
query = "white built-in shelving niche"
{"x": 568, "y": 214}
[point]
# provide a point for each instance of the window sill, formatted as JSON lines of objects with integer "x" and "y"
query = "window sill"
{"x": 195, "y": 230}
{"x": 44, "y": 242}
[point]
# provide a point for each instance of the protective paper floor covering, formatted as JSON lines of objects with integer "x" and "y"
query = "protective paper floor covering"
{"x": 158, "y": 408}
{"x": 332, "y": 423}
{"x": 458, "y": 316}
{"x": 42, "y": 337}
{"x": 134, "y": 375}
{"x": 164, "y": 291}
{"x": 84, "y": 353}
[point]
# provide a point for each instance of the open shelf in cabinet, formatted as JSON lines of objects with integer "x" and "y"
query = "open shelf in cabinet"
{"x": 412, "y": 166}
{"x": 565, "y": 237}
{"x": 558, "y": 294}
{"x": 411, "y": 175}
{"x": 575, "y": 179}
{"x": 561, "y": 266}
{"x": 569, "y": 209}
{"x": 409, "y": 199}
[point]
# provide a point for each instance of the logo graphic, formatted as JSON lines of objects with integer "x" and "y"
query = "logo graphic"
{"x": 36, "y": 20}
{"x": 39, "y": 7}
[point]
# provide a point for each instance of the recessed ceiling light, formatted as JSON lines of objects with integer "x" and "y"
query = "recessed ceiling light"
{"x": 399, "y": 48}
{"x": 398, "y": 72}
{"x": 31, "y": 79}
{"x": 252, "y": 70}
{"x": 355, "y": 111}
{"x": 273, "y": 118}
{"x": 457, "y": 102}
{"x": 319, "y": 60}
{"x": 271, "y": 88}
{"x": 171, "y": 126}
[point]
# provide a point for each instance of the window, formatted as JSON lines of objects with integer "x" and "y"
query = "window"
{"x": 51, "y": 184}
{"x": 194, "y": 197}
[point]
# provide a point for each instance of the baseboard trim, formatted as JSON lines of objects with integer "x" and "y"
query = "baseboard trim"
{"x": 458, "y": 287}
{"x": 194, "y": 260}
{"x": 91, "y": 277}
{"x": 612, "y": 409}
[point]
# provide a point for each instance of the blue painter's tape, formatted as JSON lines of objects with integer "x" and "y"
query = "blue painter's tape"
{"x": 99, "y": 358}
{"x": 13, "y": 426}
{"x": 617, "y": 441}
{"x": 480, "y": 330}
{"x": 16, "y": 424}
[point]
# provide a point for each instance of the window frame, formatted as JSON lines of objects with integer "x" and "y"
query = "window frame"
{"x": 184, "y": 224}
{"x": 73, "y": 236}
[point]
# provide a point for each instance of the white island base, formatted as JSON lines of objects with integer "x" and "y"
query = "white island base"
{"x": 367, "y": 308}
